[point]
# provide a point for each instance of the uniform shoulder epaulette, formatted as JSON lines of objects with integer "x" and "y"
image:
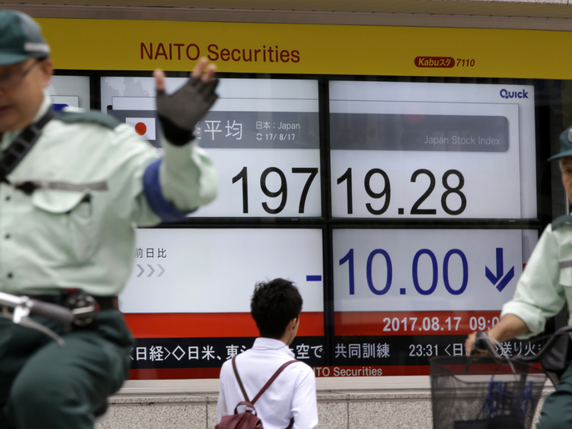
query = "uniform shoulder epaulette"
{"x": 560, "y": 221}
{"x": 88, "y": 116}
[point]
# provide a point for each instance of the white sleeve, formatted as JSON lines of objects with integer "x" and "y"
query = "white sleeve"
{"x": 304, "y": 401}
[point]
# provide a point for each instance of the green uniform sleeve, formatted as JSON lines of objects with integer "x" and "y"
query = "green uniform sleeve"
{"x": 183, "y": 179}
{"x": 539, "y": 294}
{"x": 187, "y": 175}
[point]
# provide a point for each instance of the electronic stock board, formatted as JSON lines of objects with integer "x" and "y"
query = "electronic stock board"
{"x": 302, "y": 203}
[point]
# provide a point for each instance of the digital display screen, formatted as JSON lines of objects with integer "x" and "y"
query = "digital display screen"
{"x": 416, "y": 293}
{"x": 377, "y": 299}
{"x": 262, "y": 135}
{"x": 69, "y": 91}
{"x": 188, "y": 299}
{"x": 423, "y": 270}
{"x": 214, "y": 270}
{"x": 432, "y": 150}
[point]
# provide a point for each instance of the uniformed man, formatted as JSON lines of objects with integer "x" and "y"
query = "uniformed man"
{"x": 542, "y": 290}
{"x": 73, "y": 188}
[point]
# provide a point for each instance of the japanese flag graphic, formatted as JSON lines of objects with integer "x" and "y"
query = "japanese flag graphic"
{"x": 145, "y": 127}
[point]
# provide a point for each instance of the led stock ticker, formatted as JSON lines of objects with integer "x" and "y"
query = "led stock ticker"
{"x": 396, "y": 150}
{"x": 261, "y": 134}
{"x": 421, "y": 322}
{"x": 421, "y": 150}
{"x": 384, "y": 194}
{"x": 425, "y": 270}
{"x": 408, "y": 170}
{"x": 267, "y": 151}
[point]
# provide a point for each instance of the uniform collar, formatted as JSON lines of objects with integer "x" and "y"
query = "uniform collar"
{"x": 263, "y": 343}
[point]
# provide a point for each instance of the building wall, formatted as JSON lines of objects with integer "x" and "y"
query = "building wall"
{"x": 337, "y": 410}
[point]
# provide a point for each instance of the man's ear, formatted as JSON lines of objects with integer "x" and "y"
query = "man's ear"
{"x": 292, "y": 324}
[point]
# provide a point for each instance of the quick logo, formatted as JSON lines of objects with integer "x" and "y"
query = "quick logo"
{"x": 513, "y": 94}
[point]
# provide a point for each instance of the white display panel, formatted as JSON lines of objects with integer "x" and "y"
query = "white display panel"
{"x": 215, "y": 270}
{"x": 262, "y": 135}
{"x": 427, "y": 270}
{"x": 69, "y": 91}
{"x": 427, "y": 150}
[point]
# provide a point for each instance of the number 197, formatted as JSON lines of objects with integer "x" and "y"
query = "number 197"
{"x": 281, "y": 192}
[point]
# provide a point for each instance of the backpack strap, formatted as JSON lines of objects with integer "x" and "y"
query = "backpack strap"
{"x": 269, "y": 382}
{"x": 266, "y": 386}
{"x": 239, "y": 380}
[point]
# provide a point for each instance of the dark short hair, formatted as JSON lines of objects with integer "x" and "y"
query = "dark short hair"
{"x": 273, "y": 305}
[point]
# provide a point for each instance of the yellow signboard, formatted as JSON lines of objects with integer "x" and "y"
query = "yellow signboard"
{"x": 91, "y": 44}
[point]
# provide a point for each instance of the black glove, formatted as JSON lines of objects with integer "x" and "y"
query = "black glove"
{"x": 180, "y": 112}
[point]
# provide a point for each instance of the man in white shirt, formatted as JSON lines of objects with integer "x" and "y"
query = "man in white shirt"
{"x": 275, "y": 307}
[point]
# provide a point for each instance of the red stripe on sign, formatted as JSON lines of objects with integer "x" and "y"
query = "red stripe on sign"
{"x": 210, "y": 325}
{"x": 413, "y": 323}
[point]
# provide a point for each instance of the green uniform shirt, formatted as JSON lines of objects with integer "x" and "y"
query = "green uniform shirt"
{"x": 84, "y": 236}
{"x": 546, "y": 283}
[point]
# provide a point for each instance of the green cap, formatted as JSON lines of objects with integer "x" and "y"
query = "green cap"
{"x": 565, "y": 145}
{"x": 20, "y": 38}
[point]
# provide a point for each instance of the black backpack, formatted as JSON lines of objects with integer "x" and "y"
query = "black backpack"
{"x": 248, "y": 418}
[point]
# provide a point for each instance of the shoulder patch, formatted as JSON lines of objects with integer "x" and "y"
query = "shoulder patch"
{"x": 560, "y": 221}
{"x": 92, "y": 116}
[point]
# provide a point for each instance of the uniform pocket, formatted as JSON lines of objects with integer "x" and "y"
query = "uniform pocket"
{"x": 565, "y": 273}
{"x": 69, "y": 216}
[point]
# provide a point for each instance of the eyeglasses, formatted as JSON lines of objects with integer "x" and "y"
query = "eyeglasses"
{"x": 9, "y": 80}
